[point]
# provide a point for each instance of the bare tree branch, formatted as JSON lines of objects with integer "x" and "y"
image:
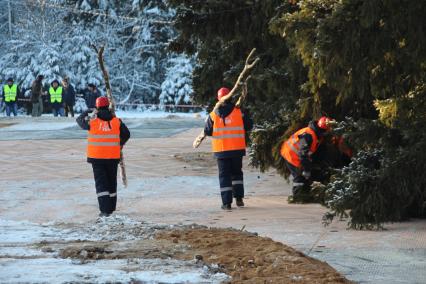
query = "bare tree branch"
{"x": 247, "y": 67}
{"x": 100, "y": 53}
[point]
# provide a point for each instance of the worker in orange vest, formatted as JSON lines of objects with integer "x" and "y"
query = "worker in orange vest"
{"x": 297, "y": 152}
{"x": 228, "y": 126}
{"x": 107, "y": 135}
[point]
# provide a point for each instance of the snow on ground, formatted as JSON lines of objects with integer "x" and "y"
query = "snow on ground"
{"x": 146, "y": 124}
{"x": 39, "y": 126}
{"x": 158, "y": 114}
{"x": 128, "y": 114}
{"x": 21, "y": 253}
{"x": 52, "y": 270}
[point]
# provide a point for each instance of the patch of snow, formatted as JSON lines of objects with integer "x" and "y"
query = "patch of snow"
{"x": 39, "y": 126}
{"x": 25, "y": 232}
{"x": 15, "y": 251}
{"x": 52, "y": 270}
{"x": 18, "y": 256}
{"x": 158, "y": 114}
{"x": 113, "y": 228}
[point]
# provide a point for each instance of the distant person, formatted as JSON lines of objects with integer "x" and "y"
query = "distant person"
{"x": 68, "y": 96}
{"x": 9, "y": 96}
{"x": 228, "y": 126}
{"x": 107, "y": 135}
{"x": 91, "y": 95}
{"x": 2, "y": 105}
{"x": 55, "y": 93}
{"x": 36, "y": 96}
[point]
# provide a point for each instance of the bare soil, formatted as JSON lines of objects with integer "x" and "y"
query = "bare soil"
{"x": 249, "y": 258}
{"x": 147, "y": 249}
{"x": 197, "y": 159}
{"x": 6, "y": 124}
{"x": 244, "y": 256}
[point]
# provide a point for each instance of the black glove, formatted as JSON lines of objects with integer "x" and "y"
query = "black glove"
{"x": 306, "y": 174}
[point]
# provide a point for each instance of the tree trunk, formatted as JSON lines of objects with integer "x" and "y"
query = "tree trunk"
{"x": 9, "y": 8}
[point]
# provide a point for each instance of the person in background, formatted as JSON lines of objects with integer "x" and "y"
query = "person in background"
{"x": 228, "y": 126}
{"x": 107, "y": 134}
{"x": 68, "y": 96}
{"x": 91, "y": 95}
{"x": 55, "y": 93}
{"x": 2, "y": 106}
{"x": 9, "y": 96}
{"x": 36, "y": 96}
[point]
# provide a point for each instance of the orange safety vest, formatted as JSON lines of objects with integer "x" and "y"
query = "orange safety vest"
{"x": 290, "y": 148}
{"x": 228, "y": 133}
{"x": 103, "y": 141}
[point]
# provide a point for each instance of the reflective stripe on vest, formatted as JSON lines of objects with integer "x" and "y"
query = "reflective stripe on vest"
{"x": 290, "y": 149}
{"x": 55, "y": 95}
{"x": 103, "y": 141}
{"x": 228, "y": 133}
{"x": 10, "y": 93}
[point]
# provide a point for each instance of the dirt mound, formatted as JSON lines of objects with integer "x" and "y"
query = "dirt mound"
{"x": 249, "y": 258}
{"x": 197, "y": 159}
{"x": 146, "y": 249}
{"x": 85, "y": 252}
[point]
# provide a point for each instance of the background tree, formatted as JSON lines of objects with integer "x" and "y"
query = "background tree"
{"x": 53, "y": 37}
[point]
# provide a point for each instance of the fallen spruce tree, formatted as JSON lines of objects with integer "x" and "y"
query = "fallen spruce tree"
{"x": 361, "y": 62}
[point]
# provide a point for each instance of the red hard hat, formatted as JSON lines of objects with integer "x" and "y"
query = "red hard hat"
{"x": 102, "y": 102}
{"x": 323, "y": 123}
{"x": 222, "y": 92}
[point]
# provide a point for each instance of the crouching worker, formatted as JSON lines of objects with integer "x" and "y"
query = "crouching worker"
{"x": 297, "y": 152}
{"x": 107, "y": 135}
{"x": 228, "y": 127}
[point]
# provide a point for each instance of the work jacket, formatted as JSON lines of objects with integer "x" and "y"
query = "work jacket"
{"x": 299, "y": 148}
{"x": 227, "y": 126}
{"x": 103, "y": 140}
{"x": 102, "y": 153}
{"x": 228, "y": 133}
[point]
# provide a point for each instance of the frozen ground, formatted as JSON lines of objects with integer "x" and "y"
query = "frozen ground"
{"x": 45, "y": 179}
{"x": 43, "y": 253}
{"x": 143, "y": 125}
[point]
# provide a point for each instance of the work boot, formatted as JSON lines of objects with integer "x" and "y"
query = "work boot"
{"x": 103, "y": 214}
{"x": 226, "y": 207}
{"x": 240, "y": 202}
{"x": 301, "y": 195}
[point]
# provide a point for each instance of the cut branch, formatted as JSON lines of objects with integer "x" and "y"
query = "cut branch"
{"x": 247, "y": 67}
{"x": 100, "y": 53}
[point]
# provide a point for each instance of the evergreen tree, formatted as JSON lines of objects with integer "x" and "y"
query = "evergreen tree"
{"x": 54, "y": 38}
{"x": 177, "y": 86}
{"x": 361, "y": 62}
{"x": 221, "y": 33}
{"x": 366, "y": 60}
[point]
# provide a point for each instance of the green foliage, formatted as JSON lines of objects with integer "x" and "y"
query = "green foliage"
{"x": 378, "y": 187}
{"x": 222, "y": 33}
{"x": 362, "y": 62}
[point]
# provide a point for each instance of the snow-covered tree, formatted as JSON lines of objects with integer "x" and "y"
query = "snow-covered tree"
{"x": 35, "y": 46}
{"x": 177, "y": 86}
{"x": 54, "y": 38}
